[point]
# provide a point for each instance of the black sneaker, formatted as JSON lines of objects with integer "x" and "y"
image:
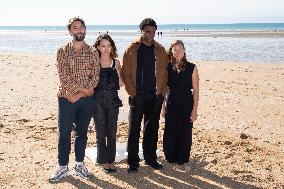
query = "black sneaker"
{"x": 109, "y": 170}
{"x": 155, "y": 165}
{"x": 132, "y": 169}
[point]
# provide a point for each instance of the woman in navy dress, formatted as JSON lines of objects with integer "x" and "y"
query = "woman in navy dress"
{"x": 180, "y": 105}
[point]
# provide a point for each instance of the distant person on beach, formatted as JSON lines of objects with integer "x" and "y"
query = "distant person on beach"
{"x": 107, "y": 101}
{"x": 144, "y": 72}
{"x": 78, "y": 70}
{"x": 180, "y": 105}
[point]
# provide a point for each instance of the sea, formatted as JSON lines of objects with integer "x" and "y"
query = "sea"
{"x": 267, "y": 49}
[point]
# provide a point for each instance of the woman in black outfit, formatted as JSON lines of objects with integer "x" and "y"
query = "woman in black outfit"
{"x": 180, "y": 105}
{"x": 107, "y": 102}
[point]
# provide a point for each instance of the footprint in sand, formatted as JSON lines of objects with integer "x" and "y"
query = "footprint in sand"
{"x": 31, "y": 125}
{"x": 228, "y": 142}
{"x": 23, "y": 120}
{"x": 244, "y": 136}
{"x": 248, "y": 160}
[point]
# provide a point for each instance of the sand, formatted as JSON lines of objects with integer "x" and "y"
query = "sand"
{"x": 238, "y": 137}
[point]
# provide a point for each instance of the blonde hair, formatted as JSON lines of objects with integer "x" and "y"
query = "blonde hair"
{"x": 172, "y": 59}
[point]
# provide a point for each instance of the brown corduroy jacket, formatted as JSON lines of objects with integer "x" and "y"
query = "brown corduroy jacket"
{"x": 128, "y": 71}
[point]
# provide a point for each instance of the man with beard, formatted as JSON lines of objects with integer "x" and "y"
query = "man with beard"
{"x": 78, "y": 70}
{"x": 144, "y": 73}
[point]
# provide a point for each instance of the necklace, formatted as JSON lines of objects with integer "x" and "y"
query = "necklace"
{"x": 178, "y": 66}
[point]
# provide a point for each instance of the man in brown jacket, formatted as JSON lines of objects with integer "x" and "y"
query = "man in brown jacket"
{"x": 144, "y": 72}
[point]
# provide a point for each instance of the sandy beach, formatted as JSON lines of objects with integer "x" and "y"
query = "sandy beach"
{"x": 238, "y": 137}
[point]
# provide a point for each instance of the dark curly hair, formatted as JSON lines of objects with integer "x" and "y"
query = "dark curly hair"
{"x": 113, "y": 53}
{"x": 147, "y": 22}
{"x": 173, "y": 61}
{"x": 72, "y": 20}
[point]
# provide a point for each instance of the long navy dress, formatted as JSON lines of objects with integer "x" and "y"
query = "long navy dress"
{"x": 178, "y": 128}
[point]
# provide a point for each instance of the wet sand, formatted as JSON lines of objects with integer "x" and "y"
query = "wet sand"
{"x": 215, "y": 34}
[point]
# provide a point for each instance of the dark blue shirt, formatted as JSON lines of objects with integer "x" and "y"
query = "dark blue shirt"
{"x": 145, "y": 73}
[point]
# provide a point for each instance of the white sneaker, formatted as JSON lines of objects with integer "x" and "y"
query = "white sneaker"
{"x": 189, "y": 166}
{"x": 81, "y": 170}
{"x": 178, "y": 167}
{"x": 61, "y": 172}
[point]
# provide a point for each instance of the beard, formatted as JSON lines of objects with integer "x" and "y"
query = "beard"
{"x": 148, "y": 38}
{"x": 79, "y": 37}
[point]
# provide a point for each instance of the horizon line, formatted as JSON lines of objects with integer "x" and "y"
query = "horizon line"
{"x": 138, "y": 24}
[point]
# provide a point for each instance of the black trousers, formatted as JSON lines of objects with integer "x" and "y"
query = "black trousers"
{"x": 105, "y": 117}
{"x": 177, "y": 139}
{"x": 147, "y": 105}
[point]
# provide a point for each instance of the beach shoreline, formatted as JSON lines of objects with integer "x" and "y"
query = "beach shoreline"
{"x": 166, "y": 33}
{"x": 238, "y": 137}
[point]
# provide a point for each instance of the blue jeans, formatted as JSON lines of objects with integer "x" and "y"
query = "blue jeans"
{"x": 78, "y": 113}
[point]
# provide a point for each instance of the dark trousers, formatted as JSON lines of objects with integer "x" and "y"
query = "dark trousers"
{"x": 177, "y": 142}
{"x": 177, "y": 139}
{"x": 105, "y": 117}
{"x": 78, "y": 113}
{"x": 149, "y": 106}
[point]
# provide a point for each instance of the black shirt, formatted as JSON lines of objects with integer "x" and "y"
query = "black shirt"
{"x": 145, "y": 73}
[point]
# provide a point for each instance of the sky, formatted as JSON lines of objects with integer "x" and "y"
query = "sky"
{"x": 131, "y": 12}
